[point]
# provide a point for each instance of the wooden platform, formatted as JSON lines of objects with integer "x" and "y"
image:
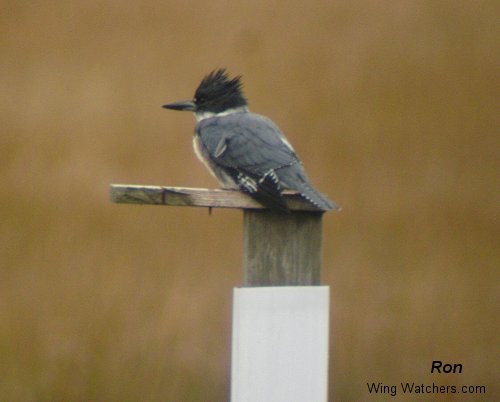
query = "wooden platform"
{"x": 198, "y": 197}
{"x": 279, "y": 249}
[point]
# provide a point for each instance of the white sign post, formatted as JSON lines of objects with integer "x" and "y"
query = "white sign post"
{"x": 280, "y": 344}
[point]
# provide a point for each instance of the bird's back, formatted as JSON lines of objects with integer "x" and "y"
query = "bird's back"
{"x": 252, "y": 150}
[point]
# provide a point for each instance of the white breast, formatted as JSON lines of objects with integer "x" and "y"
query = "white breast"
{"x": 224, "y": 179}
{"x": 199, "y": 154}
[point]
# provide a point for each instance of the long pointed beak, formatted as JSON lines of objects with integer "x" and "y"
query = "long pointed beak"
{"x": 182, "y": 106}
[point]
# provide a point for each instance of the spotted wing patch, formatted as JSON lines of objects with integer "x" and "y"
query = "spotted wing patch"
{"x": 247, "y": 183}
{"x": 265, "y": 189}
{"x": 272, "y": 176}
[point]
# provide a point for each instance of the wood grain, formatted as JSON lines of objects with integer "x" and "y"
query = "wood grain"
{"x": 197, "y": 197}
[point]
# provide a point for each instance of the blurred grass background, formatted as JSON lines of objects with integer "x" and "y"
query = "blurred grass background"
{"x": 393, "y": 107}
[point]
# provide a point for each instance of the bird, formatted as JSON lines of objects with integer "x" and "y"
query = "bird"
{"x": 244, "y": 150}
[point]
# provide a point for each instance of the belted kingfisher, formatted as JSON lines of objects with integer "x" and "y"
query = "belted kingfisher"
{"x": 244, "y": 150}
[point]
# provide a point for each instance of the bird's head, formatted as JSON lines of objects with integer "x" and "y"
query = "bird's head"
{"x": 217, "y": 93}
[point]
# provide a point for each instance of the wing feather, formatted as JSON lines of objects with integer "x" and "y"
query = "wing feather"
{"x": 251, "y": 150}
{"x": 250, "y": 142}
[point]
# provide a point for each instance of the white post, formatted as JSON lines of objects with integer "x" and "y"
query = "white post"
{"x": 280, "y": 344}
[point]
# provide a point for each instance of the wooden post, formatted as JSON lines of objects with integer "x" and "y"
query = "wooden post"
{"x": 281, "y": 249}
{"x": 280, "y": 315}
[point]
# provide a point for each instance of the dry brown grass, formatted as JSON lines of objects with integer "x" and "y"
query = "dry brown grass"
{"x": 391, "y": 105}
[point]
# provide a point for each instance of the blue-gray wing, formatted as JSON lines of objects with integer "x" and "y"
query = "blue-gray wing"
{"x": 245, "y": 141}
{"x": 252, "y": 150}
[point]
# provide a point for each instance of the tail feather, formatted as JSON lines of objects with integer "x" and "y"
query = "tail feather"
{"x": 315, "y": 197}
{"x": 294, "y": 178}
